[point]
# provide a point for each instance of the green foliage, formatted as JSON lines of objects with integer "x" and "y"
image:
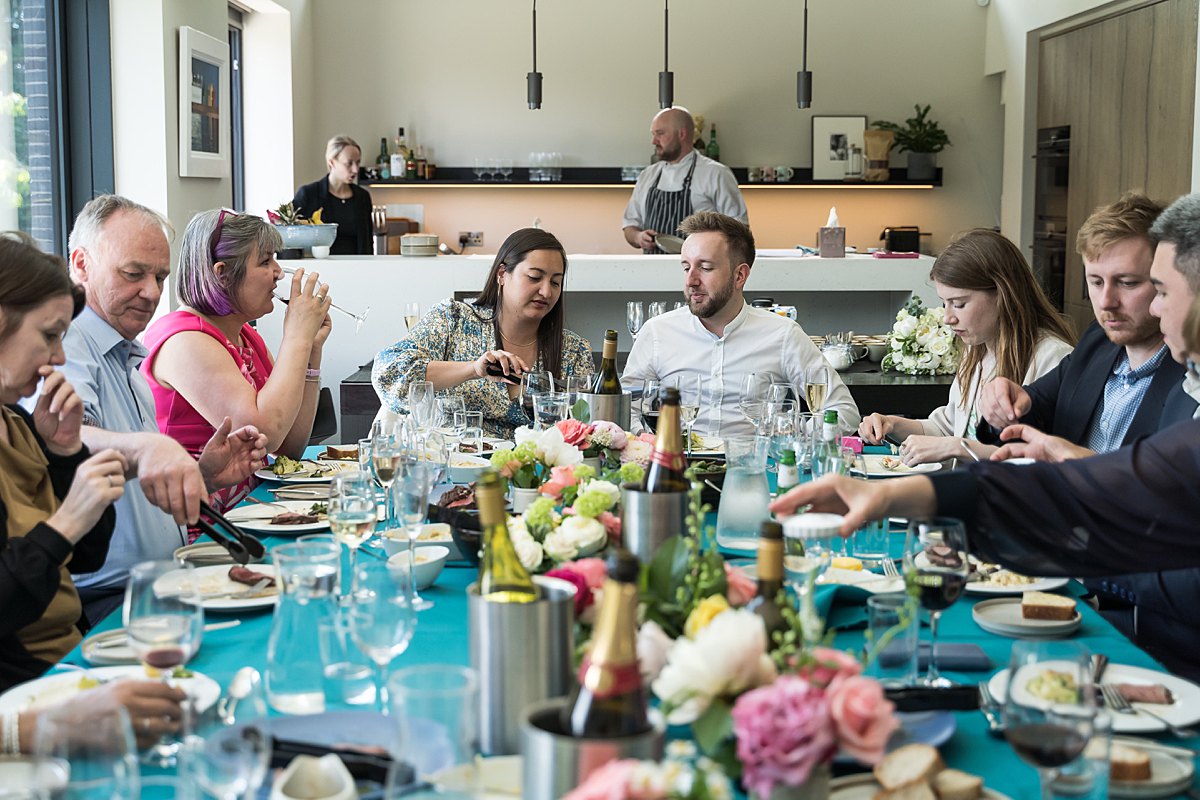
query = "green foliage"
{"x": 582, "y": 411}
{"x": 918, "y": 134}
{"x": 678, "y": 577}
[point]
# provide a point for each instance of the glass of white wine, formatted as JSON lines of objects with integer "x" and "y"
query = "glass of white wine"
{"x": 816, "y": 387}
{"x": 352, "y": 512}
{"x": 691, "y": 389}
{"x": 412, "y": 314}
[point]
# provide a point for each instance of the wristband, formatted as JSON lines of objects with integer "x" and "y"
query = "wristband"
{"x": 312, "y": 373}
{"x": 10, "y": 733}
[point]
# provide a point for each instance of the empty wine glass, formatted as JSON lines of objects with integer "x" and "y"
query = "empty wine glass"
{"x": 1049, "y": 705}
{"x": 382, "y": 618}
{"x": 352, "y": 511}
{"x": 411, "y": 498}
{"x": 480, "y": 168}
{"x": 506, "y": 168}
{"x": 781, "y": 427}
{"x": 164, "y": 619}
{"x": 657, "y": 307}
{"x": 446, "y": 408}
{"x": 84, "y": 752}
{"x": 574, "y": 385}
{"x": 935, "y": 569}
{"x": 421, "y": 407}
{"x": 635, "y": 315}
{"x": 534, "y": 383}
{"x": 809, "y": 544}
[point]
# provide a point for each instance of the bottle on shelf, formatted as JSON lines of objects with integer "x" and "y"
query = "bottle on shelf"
{"x": 667, "y": 464}
{"x": 383, "y": 163}
{"x": 422, "y": 164}
{"x": 770, "y": 578}
{"x": 607, "y": 381}
{"x": 410, "y": 166}
{"x": 610, "y": 699}
{"x": 788, "y": 475}
{"x": 502, "y": 578}
{"x": 400, "y": 143}
{"x": 713, "y": 150}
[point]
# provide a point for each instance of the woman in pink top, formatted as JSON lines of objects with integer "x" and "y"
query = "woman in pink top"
{"x": 206, "y": 362}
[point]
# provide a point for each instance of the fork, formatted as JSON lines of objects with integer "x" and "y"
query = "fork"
{"x": 889, "y": 568}
{"x": 989, "y": 708}
{"x": 1117, "y": 702}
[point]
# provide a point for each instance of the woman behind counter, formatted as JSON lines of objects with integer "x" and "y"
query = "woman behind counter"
{"x": 206, "y": 362}
{"x": 516, "y": 323}
{"x": 1006, "y": 324}
{"x": 340, "y": 199}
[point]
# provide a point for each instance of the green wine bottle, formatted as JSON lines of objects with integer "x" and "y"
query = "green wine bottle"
{"x": 770, "y": 578}
{"x": 607, "y": 381}
{"x": 502, "y": 578}
{"x": 713, "y": 150}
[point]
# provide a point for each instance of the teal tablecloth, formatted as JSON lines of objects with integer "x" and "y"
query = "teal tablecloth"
{"x": 441, "y": 637}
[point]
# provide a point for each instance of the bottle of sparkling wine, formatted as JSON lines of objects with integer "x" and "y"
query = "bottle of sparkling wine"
{"x": 610, "y": 699}
{"x": 607, "y": 381}
{"x": 502, "y": 579}
{"x": 770, "y": 578}
{"x": 667, "y": 464}
{"x": 713, "y": 150}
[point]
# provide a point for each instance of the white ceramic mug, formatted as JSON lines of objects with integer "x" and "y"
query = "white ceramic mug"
{"x": 784, "y": 174}
{"x": 754, "y": 174}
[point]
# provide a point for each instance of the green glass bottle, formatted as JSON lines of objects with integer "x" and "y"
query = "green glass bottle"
{"x": 713, "y": 150}
{"x": 770, "y": 578}
{"x": 502, "y": 578}
{"x": 607, "y": 381}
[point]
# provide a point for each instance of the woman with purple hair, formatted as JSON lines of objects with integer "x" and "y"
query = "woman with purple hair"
{"x": 206, "y": 362}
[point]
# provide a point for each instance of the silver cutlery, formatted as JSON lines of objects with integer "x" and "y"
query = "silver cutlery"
{"x": 967, "y": 447}
{"x": 889, "y": 568}
{"x": 990, "y": 708}
{"x": 1117, "y": 702}
{"x": 123, "y": 641}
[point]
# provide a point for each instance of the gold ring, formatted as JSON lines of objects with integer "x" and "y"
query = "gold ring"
{"x": 110, "y": 481}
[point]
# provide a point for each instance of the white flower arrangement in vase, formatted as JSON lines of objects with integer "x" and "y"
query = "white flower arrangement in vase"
{"x": 921, "y": 343}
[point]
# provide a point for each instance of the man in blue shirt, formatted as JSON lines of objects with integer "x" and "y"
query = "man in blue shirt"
{"x": 120, "y": 254}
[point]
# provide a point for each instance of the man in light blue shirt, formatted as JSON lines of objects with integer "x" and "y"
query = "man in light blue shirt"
{"x": 120, "y": 254}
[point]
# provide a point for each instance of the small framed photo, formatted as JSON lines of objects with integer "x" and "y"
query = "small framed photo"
{"x": 203, "y": 105}
{"x": 831, "y": 140}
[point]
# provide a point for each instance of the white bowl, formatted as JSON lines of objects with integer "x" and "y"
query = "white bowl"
{"x": 812, "y": 526}
{"x": 466, "y": 468}
{"x": 299, "y": 236}
{"x": 320, "y": 251}
{"x": 430, "y": 560}
{"x": 395, "y": 540}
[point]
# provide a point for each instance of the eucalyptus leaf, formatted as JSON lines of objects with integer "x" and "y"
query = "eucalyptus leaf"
{"x": 714, "y": 726}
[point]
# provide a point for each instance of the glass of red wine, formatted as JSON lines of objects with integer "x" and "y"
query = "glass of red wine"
{"x": 164, "y": 620}
{"x": 1049, "y": 705}
{"x": 935, "y": 571}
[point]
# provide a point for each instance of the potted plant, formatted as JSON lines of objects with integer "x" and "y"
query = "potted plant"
{"x": 922, "y": 138}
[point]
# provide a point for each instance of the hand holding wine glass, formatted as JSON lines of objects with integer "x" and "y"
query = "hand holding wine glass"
{"x": 936, "y": 567}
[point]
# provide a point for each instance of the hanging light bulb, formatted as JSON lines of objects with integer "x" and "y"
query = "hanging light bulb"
{"x": 533, "y": 80}
{"x": 804, "y": 77}
{"x": 666, "y": 78}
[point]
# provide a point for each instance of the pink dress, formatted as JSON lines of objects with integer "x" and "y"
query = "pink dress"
{"x": 175, "y": 415}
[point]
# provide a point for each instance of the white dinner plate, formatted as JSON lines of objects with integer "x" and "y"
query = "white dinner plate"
{"x": 866, "y": 580}
{"x": 1170, "y": 771}
{"x": 1184, "y": 711}
{"x": 872, "y": 467}
{"x": 1002, "y": 617}
{"x": 311, "y": 472}
{"x": 257, "y": 517}
{"x": 56, "y": 687}
{"x": 18, "y": 773}
{"x": 704, "y": 446}
{"x": 864, "y": 787}
{"x": 215, "y": 580}
{"x": 1038, "y": 585}
{"x": 108, "y": 648}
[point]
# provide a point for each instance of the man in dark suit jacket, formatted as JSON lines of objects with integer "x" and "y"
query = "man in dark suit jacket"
{"x": 1118, "y": 385}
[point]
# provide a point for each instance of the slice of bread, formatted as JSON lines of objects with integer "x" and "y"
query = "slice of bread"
{"x": 337, "y": 453}
{"x": 913, "y": 763}
{"x": 910, "y": 791}
{"x": 954, "y": 784}
{"x": 1128, "y": 763}
{"x": 1042, "y": 605}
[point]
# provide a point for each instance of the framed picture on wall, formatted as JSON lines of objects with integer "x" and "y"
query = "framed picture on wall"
{"x": 203, "y": 105}
{"x": 831, "y": 140}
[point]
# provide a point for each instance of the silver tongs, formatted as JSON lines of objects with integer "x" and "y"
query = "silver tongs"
{"x": 240, "y": 545}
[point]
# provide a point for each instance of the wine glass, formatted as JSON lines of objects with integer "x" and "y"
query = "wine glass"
{"x": 534, "y": 383}
{"x": 691, "y": 387}
{"x": 446, "y": 408}
{"x": 657, "y": 307}
{"x": 387, "y": 447}
{"x": 1049, "y": 705}
{"x": 229, "y": 763}
{"x": 352, "y": 512}
{"x": 816, "y": 387}
{"x": 506, "y": 168}
{"x": 412, "y": 314}
{"x": 480, "y": 168}
{"x": 85, "y": 752}
{"x": 935, "y": 569}
{"x": 575, "y": 385}
{"x": 809, "y": 542}
{"x": 635, "y": 315}
{"x": 781, "y": 427}
{"x": 382, "y": 618}
{"x": 778, "y": 392}
{"x": 650, "y": 404}
{"x": 164, "y": 619}
{"x": 421, "y": 406}
{"x": 411, "y": 499}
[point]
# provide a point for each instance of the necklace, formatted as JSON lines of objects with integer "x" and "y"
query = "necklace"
{"x": 508, "y": 338}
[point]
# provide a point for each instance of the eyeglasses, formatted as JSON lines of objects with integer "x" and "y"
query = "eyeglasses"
{"x": 216, "y": 234}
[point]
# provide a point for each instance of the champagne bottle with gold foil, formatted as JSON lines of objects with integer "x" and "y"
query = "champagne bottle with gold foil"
{"x": 502, "y": 579}
{"x": 610, "y": 699}
{"x": 667, "y": 464}
{"x": 770, "y": 578}
{"x": 607, "y": 381}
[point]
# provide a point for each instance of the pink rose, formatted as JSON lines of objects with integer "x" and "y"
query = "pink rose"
{"x": 863, "y": 718}
{"x": 647, "y": 437}
{"x": 560, "y": 478}
{"x": 612, "y": 526}
{"x": 574, "y": 432}
{"x": 583, "y": 594}
{"x": 614, "y": 436}
{"x": 592, "y": 570}
{"x": 782, "y": 732}
{"x": 740, "y": 589}
{"x": 609, "y": 782}
{"x": 510, "y": 469}
{"x": 827, "y": 665}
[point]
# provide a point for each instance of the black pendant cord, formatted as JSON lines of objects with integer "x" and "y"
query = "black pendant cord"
{"x": 804, "y": 52}
{"x": 535, "y": 34}
{"x": 667, "y": 36}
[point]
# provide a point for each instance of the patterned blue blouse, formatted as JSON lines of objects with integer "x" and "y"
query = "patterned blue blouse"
{"x": 452, "y": 332}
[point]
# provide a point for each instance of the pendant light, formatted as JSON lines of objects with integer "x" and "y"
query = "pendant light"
{"x": 804, "y": 77}
{"x": 666, "y": 78}
{"x": 533, "y": 80}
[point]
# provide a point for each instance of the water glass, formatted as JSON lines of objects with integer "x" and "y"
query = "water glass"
{"x": 534, "y": 383}
{"x": 893, "y": 630}
{"x": 574, "y": 385}
{"x": 550, "y": 408}
{"x": 347, "y": 672}
{"x": 807, "y": 431}
{"x": 84, "y": 752}
{"x": 870, "y": 542}
{"x": 226, "y": 763}
{"x": 468, "y": 426}
{"x": 1087, "y": 776}
{"x": 364, "y": 456}
{"x": 436, "y": 707}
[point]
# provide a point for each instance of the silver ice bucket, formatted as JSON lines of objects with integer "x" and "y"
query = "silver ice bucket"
{"x": 650, "y": 518}
{"x": 612, "y": 407}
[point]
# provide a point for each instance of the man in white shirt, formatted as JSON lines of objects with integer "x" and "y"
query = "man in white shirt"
{"x": 722, "y": 338}
{"x": 680, "y": 183}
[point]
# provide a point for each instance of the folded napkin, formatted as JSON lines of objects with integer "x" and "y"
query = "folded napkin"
{"x": 962, "y": 656}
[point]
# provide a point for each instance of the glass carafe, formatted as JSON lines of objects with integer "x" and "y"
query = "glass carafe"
{"x": 744, "y": 495}
{"x": 308, "y": 576}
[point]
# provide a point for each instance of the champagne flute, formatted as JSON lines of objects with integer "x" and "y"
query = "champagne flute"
{"x": 352, "y": 511}
{"x": 1049, "y": 705}
{"x": 164, "y": 619}
{"x": 635, "y": 315}
{"x": 382, "y": 618}
{"x": 816, "y": 387}
{"x": 412, "y": 314}
{"x": 359, "y": 319}
{"x": 387, "y": 447}
{"x": 935, "y": 569}
{"x": 411, "y": 499}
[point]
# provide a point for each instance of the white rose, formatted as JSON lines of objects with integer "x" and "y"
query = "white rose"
{"x": 559, "y": 547}
{"x": 728, "y": 656}
{"x": 653, "y": 645}
{"x": 935, "y": 361}
{"x": 925, "y": 334}
{"x": 553, "y": 451}
{"x": 908, "y": 362}
{"x": 924, "y": 359}
{"x": 897, "y": 344}
{"x": 524, "y": 434}
{"x": 529, "y": 552}
{"x": 939, "y": 346}
{"x": 905, "y": 327}
{"x": 585, "y": 535}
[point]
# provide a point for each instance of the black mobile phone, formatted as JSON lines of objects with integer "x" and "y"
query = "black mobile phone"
{"x": 497, "y": 371}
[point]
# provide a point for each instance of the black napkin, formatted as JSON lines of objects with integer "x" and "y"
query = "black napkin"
{"x": 360, "y": 764}
{"x": 962, "y": 656}
{"x": 963, "y": 697}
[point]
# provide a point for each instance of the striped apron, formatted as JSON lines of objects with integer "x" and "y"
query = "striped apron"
{"x": 665, "y": 210}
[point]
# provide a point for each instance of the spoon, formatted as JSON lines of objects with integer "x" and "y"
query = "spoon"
{"x": 245, "y": 682}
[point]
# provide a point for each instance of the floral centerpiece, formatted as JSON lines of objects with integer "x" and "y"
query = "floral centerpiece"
{"x": 682, "y": 775}
{"x": 529, "y": 463}
{"x": 921, "y": 343}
